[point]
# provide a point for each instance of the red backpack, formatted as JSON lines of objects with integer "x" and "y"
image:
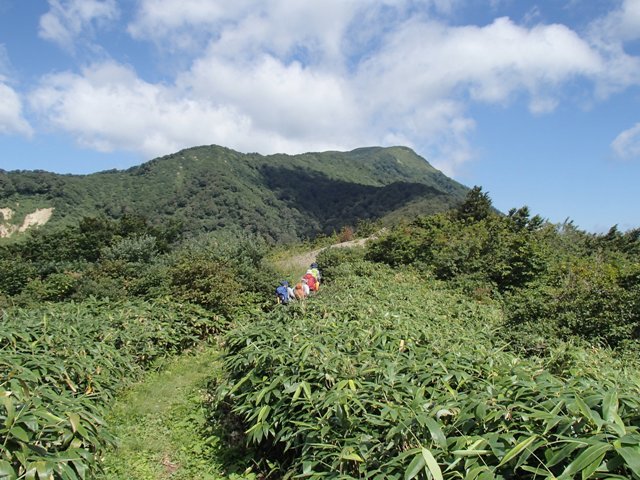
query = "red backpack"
{"x": 312, "y": 282}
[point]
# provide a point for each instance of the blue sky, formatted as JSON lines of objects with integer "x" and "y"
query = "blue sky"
{"x": 537, "y": 102}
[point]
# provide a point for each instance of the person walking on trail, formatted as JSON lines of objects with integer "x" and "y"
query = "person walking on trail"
{"x": 282, "y": 293}
{"x": 315, "y": 271}
{"x": 299, "y": 291}
{"x": 311, "y": 281}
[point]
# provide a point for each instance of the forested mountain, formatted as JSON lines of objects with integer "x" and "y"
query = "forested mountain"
{"x": 283, "y": 197}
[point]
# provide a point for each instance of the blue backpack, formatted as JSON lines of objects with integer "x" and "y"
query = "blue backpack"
{"x": 283, "y": 294}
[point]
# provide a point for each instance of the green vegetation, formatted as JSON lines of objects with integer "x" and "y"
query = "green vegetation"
{"x": 162, "y": 427}
{"x": 461, "y": 345}
{"x": 88, "y": 310}
{"x": 554, "y": 282}
{"x": 278, "y": 197}
{"x": 389, "y": 373}
{"x": 60, "y": 367}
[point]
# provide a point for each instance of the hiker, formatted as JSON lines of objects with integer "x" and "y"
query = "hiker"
{"x": 311, "y": 281}
{"x": 282, "y": 293}
{"x": 315, "y": 271}
{"x": 299, "y": 290}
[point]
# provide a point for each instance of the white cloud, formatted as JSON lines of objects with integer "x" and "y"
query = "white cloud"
{"x": 108, "y": 107}
{"x": 247, "y": 28}
{"x": 620, "y": 25}
{"x": 608, "y": 36}
{"x": 12, "y": 120}
{"x": 295, "y": 100}
{"x": 277, "y": 75}
{"x": 424, "y": 76}
{"x": 68, "y": 19}
{"x": 626, "y": 146}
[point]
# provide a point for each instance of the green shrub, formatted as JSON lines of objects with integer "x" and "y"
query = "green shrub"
{"x": 139, "y": 249}
{"x": 15, "y": 275}
{"x": 221, "y": 272}
{"x": 591, "y": 299}
{"x": 329, "y": 258}
{"x": 55, "y": 287}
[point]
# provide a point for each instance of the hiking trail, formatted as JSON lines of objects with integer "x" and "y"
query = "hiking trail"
{"x": 303, "y": 260}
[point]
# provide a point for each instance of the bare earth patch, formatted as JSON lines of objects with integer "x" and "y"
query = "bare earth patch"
{"x": 6, "y": 213}
{"x": 37, "y": 218}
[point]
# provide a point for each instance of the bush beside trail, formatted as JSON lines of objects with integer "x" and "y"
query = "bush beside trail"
{"x": 554, "y": 282}
{"x": 62, "y": 362}
{"x": 389, "y": 375}
{"x": 61, "y": 365}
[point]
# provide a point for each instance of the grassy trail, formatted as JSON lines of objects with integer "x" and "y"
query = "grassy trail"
{"x": 161, "y": 424}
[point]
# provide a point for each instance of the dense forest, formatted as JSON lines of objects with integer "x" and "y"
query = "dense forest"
{"x": 461, "y": 344}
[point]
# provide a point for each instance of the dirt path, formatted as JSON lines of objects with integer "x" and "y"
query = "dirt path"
{"x": 299, "y": 263}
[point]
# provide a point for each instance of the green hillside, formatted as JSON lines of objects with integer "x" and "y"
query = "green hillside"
{"x": 283, "y": 197}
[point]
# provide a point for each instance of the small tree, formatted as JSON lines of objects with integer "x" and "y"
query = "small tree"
{"x": 477, "y": 206}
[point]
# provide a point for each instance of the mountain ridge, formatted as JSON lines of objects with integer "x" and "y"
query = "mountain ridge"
{"x": 280, "y": 196}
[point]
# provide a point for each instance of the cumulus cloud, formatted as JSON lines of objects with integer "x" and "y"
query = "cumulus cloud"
{"x": 12, "y": 120}
{"x": 109, "y": 107}
{"x": 277, "y": 75}
{"x": 423, "y": 61}
{"x": 67, "y": 19}
{"x": 626, "y": 146}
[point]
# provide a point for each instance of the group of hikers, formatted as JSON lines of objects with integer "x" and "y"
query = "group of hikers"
{"x": 308, "y": 284}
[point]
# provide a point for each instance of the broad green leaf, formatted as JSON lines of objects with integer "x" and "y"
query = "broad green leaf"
{"x": 631, "y": 456}
{"x": 515, "y": 451}
{"x": 307, "y": 389}
{"x": 538, "y": 472}
{"x": 81, "y": 468}
{"x": 31, "y": 473}
{"x": 591, "y": 415}
{"x": 610, "y": 413}
{"x": 590, "y": 469}
{"x": 74, "y": 420}
{"x": 67, "y": 472}
{"x": 415, "y": 467}
{"x": 610, "y": 406}
{"x": 44, "y": 469}
{"x": 297, "y": 393}
{"x": 352, "y": 456}
{"x": 20, "y": 433}
{"x": 470, "y": 453}
{"x": 264, "y": 411}
{"x": 11, "y": 411}
{"x": 6, "y": 471}
{"x": 586, "y": 458}
{"x": 562, "y": 453}
{"x": 475, "y": 472}
{"x": 436, "y": 433}
{"x": 432, "y": 464}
